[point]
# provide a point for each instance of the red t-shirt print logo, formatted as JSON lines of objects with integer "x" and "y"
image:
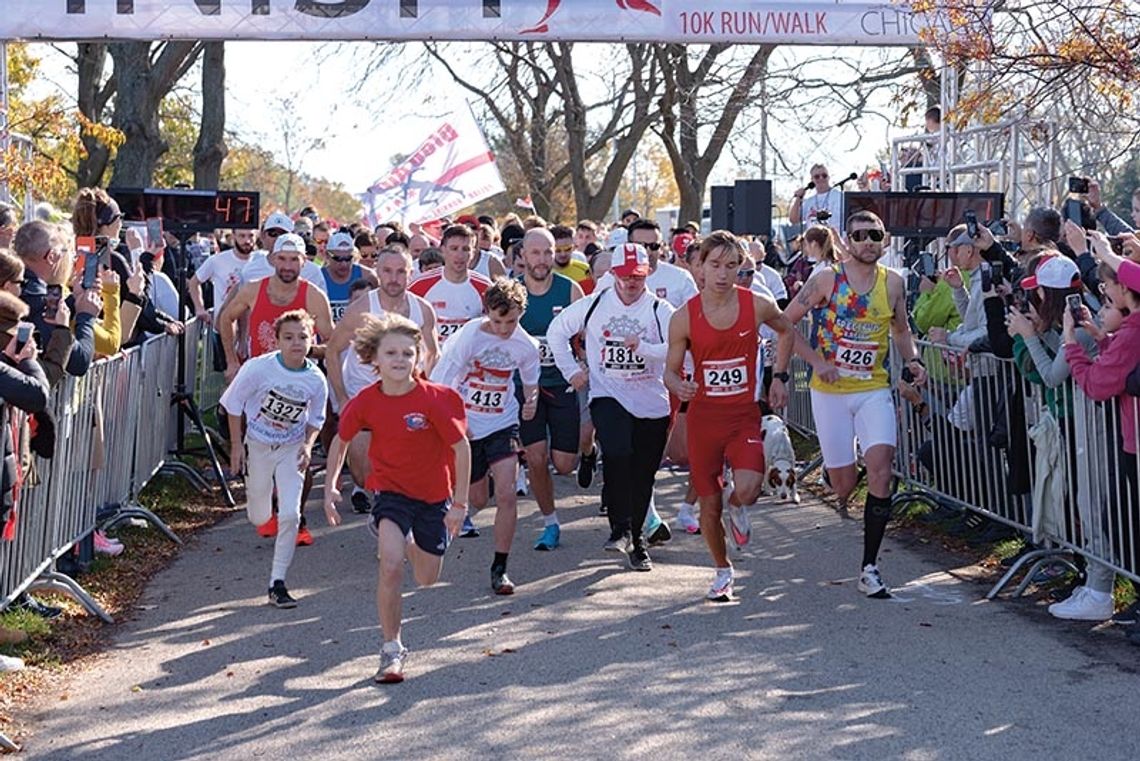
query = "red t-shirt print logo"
{"x": 552, "y": 7}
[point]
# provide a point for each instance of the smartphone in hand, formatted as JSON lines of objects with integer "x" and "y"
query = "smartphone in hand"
{"x": 23, "y": 335}
{"x": 154, "y": 239}
{"x": 51, "y": 301}
{"x": 971, "y": 223}
{"x": 1073, "y": 302}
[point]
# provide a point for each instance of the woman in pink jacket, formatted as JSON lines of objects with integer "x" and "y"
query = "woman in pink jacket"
{"x": 1106, "y": 378}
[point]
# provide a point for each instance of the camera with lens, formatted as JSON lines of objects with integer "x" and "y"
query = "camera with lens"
{"x": 822, "y": 216}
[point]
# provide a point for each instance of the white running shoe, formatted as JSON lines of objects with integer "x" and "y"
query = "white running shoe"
{"x": 392, "y": 657}
{"x": 738, "y": 521}
{"x": 687, "y": 520}
{"x": 521, "y": 485}
{"x": 721, "y": 589}
{"x": 871, "y": 583}
{"x": 1083, "y": 604}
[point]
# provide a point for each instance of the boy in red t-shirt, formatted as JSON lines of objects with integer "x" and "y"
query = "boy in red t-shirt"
{"x": 419, "y": 469}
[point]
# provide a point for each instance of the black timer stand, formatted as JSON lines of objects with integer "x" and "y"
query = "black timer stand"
{"x": 183, "y": 394}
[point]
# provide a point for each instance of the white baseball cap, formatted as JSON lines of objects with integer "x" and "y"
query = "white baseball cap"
{"x": 290, "y": 243}
{"x": 617, "y": 238}
{"x": 278, "y": 221}
{"x": 341, "y": 242}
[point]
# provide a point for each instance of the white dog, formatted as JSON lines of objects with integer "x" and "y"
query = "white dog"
{"x": 779, "y": 459}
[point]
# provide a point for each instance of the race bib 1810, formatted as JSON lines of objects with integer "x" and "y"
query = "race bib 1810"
{"x": 620, "y": 361}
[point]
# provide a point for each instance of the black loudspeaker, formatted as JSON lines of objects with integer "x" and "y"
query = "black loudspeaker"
{"x": 752, "y": 207}
{"x": 723, "y": 198}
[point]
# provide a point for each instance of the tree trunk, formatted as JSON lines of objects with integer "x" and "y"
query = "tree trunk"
{"x": 685, "y": 119}
{"x": 144, "y": 78}
{"x": 92, "y": 96}
{"x": 211, "y": 148}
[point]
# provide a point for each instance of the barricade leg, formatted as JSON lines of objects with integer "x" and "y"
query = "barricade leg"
{"x": 176, "y": 468}
{"x": 135, "y": 510}
{"x": 1040, "y": 556}
{"x": 7, "y": 744}
{"x": 58, "y": 582}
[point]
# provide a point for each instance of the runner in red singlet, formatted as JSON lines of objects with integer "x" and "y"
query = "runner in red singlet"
{"x": 720, "y": 327}
{"x": 268, "y": 299}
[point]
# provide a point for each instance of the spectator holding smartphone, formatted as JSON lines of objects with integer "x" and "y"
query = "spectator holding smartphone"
{"x": 1105, "y": 377}
{"x": 97, "y": 214}
{"x": 43, "y": 250}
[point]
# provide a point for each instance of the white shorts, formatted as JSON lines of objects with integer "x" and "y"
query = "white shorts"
{"x": 841, "y": 419}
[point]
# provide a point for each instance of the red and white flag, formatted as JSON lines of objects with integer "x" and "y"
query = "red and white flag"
{"x": 524, "y": 203}
{"x": 451, "y": 170}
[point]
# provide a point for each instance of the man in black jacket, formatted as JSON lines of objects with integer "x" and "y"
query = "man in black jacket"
{"x": 47, "y": 261}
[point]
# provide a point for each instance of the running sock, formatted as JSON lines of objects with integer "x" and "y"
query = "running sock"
{"x": 500, "y": 561}
{"x": 876, "y": 514}
{"x": 550, "y": 520}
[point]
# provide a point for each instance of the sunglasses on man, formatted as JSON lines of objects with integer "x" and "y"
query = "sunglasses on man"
{"x": 861, "y": 235}
{"x": 651, "y": 246}
{"x": 275, "y": 232}
{"x": 346, "y": 258}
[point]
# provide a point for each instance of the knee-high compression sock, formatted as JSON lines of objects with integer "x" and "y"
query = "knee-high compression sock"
{"x": 876, "y": 514}
{"x": 500, "y": 561}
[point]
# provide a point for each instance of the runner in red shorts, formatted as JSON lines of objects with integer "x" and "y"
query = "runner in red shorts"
{"x": 720, "y": 326}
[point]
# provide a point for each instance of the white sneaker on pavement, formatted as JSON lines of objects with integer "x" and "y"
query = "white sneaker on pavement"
{"x": 1083, "y": 604}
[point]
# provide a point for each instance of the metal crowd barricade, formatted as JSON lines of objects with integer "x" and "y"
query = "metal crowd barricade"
{"x": 972, "y": 449}
{"x": 112, "y": 426}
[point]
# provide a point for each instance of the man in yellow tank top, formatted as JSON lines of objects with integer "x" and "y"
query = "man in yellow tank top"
{"x": 860, "y": 306}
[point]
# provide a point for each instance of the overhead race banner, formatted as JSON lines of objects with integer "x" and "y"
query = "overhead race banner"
{"x": 811, "y": 22}
{"x": 451, "y": 170}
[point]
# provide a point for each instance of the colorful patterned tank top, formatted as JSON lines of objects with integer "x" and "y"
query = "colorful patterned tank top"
{"x": 854, "y": 334}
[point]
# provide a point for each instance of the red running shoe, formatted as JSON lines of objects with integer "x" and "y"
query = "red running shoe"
{"x": 268, "y": 529}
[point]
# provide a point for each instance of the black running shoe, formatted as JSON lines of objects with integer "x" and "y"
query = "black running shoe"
{"x": 587, "y": 463}
{"x": 639, "y": 559}
{"x": 660, "y": 535}
{"x": 279, "y": 596}
{"x": 500, "y": 583}
{"x": 360, "y": 502}
{"x": 1128, "y": 616}
{"x": 39, "y": 607}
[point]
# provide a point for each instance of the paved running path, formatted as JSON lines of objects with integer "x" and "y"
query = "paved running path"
{"x": 588, "y": 660}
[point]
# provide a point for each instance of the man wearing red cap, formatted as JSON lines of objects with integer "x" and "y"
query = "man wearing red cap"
{"x": 625, "y": 334}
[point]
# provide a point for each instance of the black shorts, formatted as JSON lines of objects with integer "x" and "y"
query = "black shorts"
{"x": 423, "y": 519}
{"x": 557, "y": 413}
{"x": 488, "y": 450}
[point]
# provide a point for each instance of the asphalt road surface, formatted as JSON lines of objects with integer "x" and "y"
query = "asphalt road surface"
{"x": 590, "y": 660}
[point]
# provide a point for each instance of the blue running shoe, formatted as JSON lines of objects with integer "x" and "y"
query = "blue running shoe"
{"x": 469, "y": 531}
{"x": 549, "y": 539}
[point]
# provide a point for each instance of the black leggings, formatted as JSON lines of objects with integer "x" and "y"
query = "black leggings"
{"x": 631, "y": 454}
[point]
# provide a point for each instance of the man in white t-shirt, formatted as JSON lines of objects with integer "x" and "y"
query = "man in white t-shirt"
{"x": 480, "y": 360}
{"x": 223, "y": 272}
{"x": 626, "y": 329}
{"x": 674, "y": 285}
{"x": 826, "y": 198}
{"x": 260, "y": 267}
{"x": 454, "y": 291}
